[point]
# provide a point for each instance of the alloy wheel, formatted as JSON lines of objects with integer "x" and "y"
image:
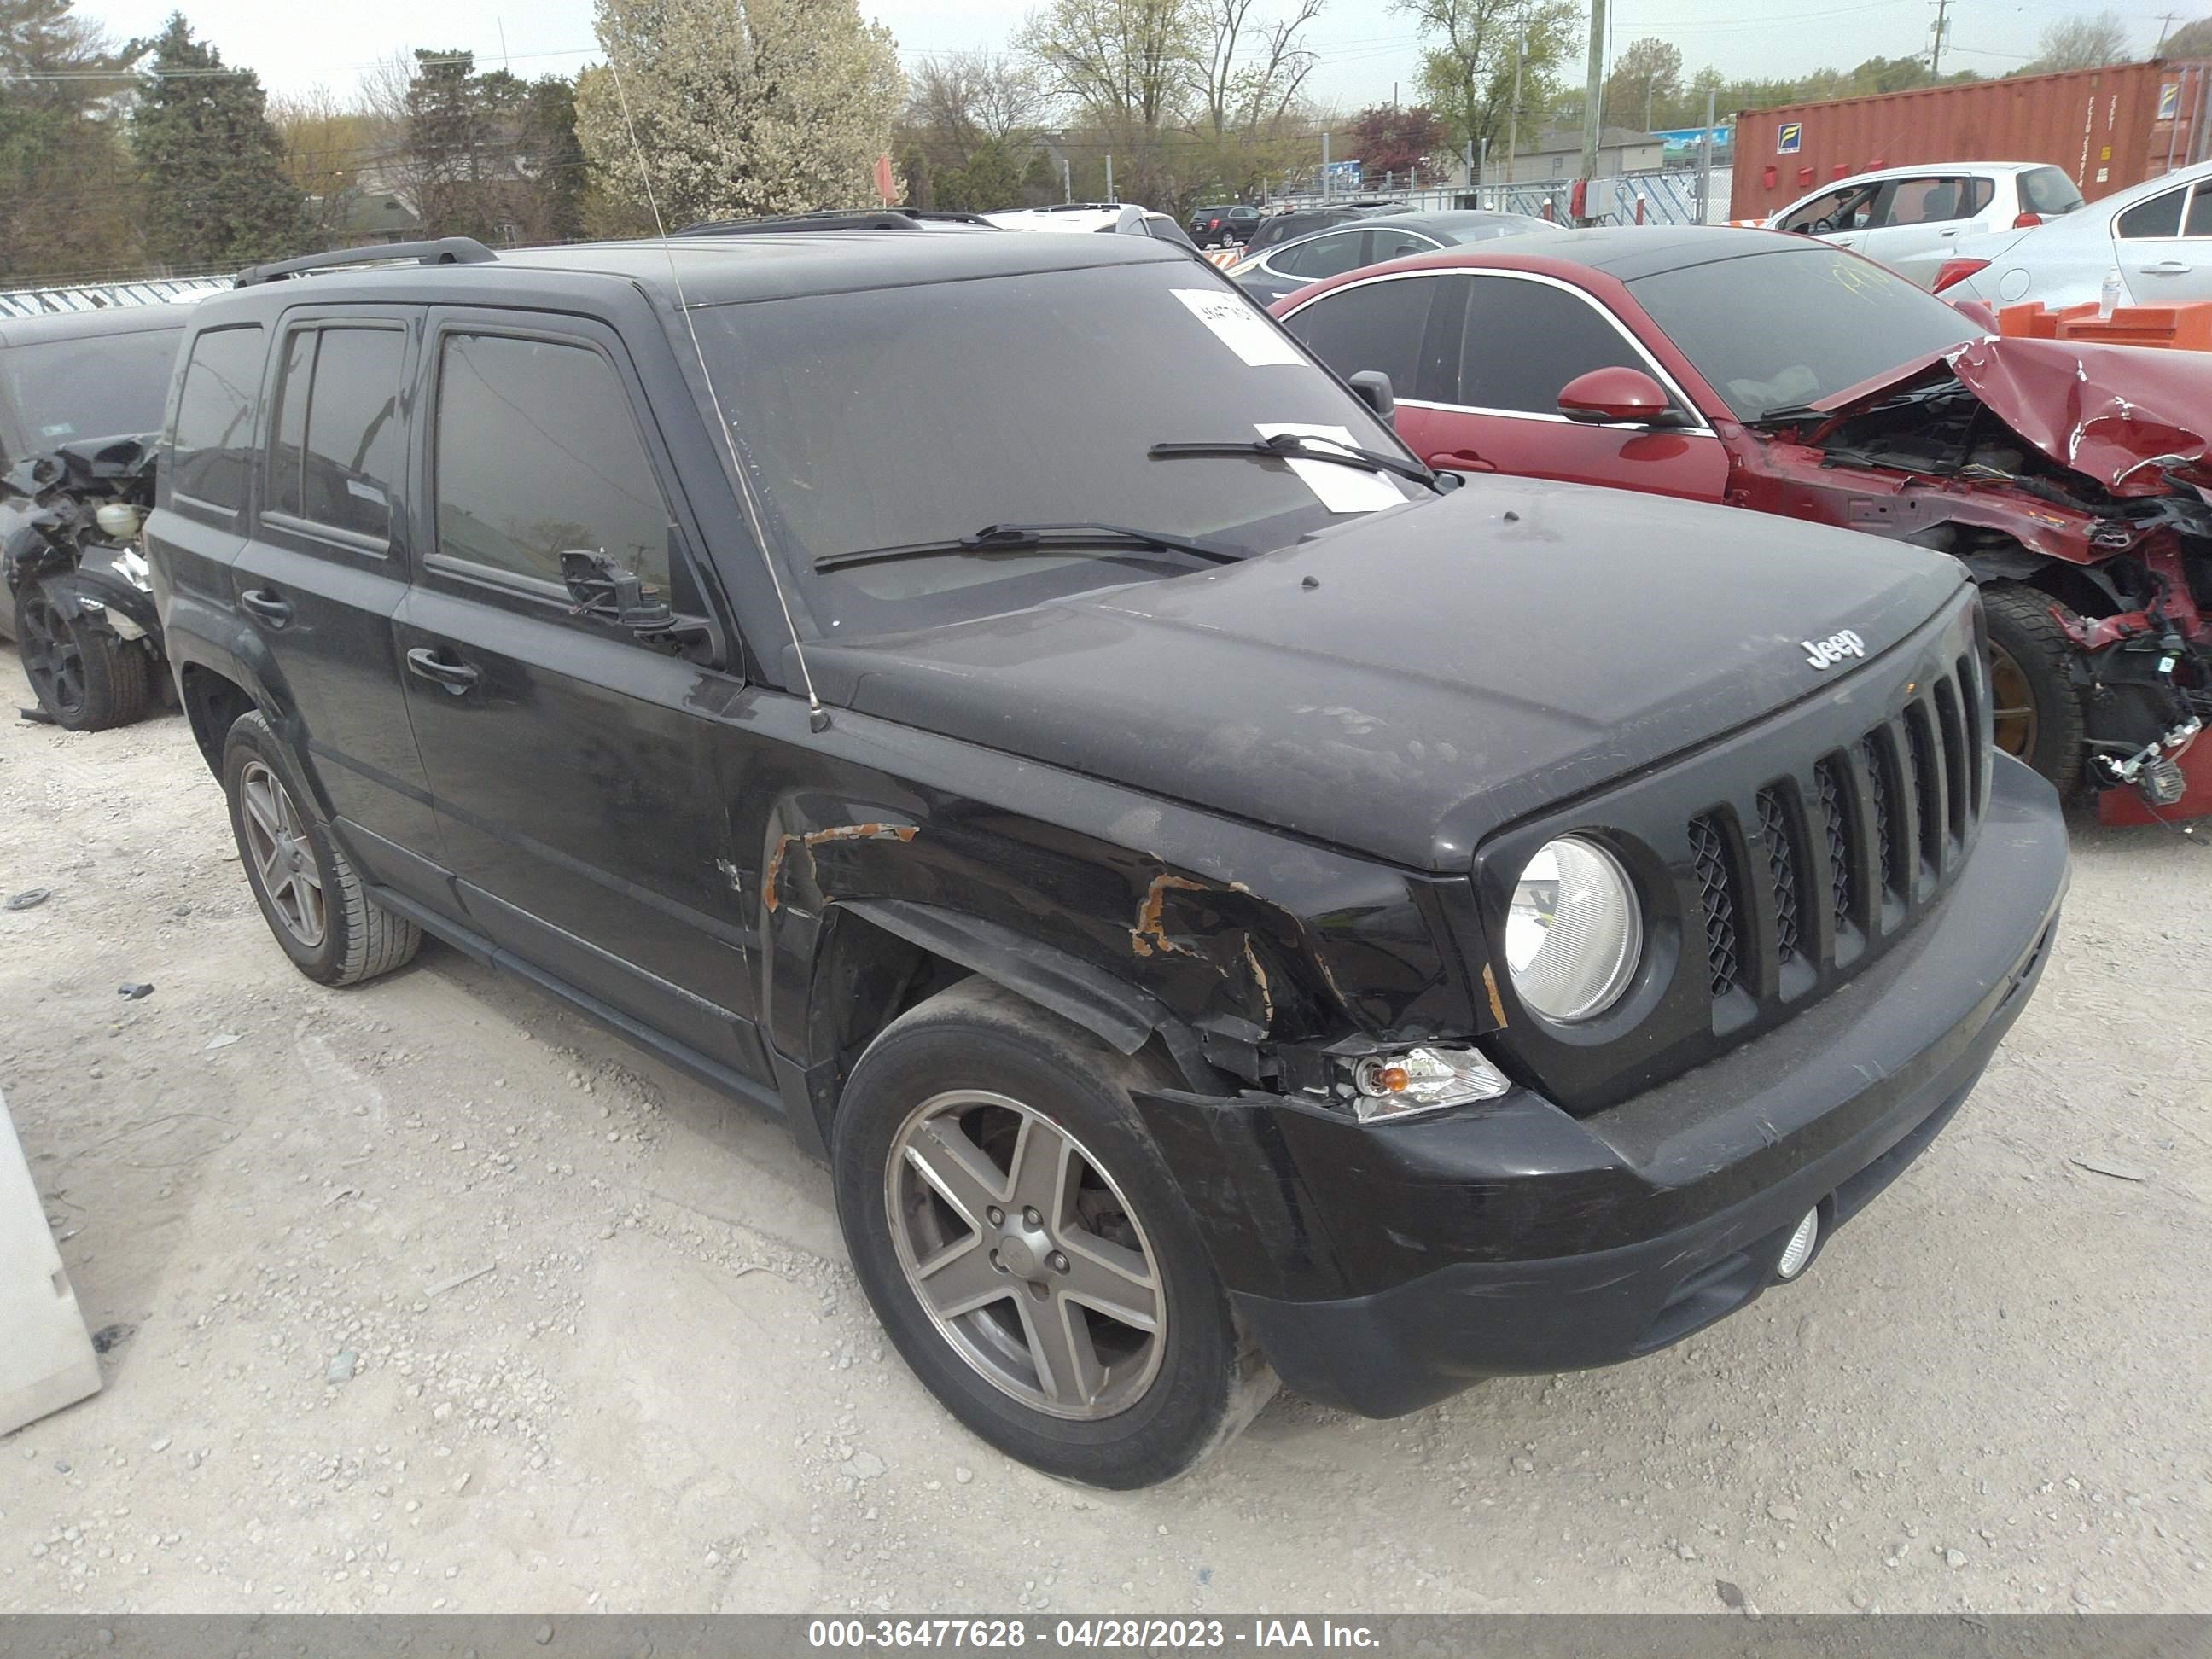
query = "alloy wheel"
{"x": 51, "y": 657}
{"x": 2015, "y": 723}
{"x": 283, "y": 857}
{"x": 1025, "y": 1254}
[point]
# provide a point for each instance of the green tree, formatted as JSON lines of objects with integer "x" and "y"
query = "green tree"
{"x": 2083, "y": 42}
{"x": 740, "y": 106}
{"x": 1039, "y": 181}
{"x": 1645, "y": 79}
{"x": 2190, "y": 40}
{"x": 1474, "y": 53}
{"x": 991, "y": 181}
{"x": 68, "y": 190}
{"x": 213, "y": 166}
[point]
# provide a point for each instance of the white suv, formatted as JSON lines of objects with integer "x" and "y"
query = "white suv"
{"x": 1908, "y": 218}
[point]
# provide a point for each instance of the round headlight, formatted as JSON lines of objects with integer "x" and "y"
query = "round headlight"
{"x": 1574, "y": 935}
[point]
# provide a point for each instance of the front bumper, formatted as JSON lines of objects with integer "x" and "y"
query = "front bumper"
{"x": 1382, "y": 1268}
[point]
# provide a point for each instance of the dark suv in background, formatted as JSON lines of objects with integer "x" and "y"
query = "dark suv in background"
{"x": 1157, "y": 842}
{"x": 1224, "y": 224}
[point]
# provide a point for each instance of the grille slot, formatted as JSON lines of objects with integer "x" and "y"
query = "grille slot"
{"x": 1951, "y": 728}
{"x": 1775, "y": 828}
{"x": 1716, "y": 901}
{"x": 1837, "y": 836}
{"x": 1892, "y": 855}
{"x": 1926, "y": 786}
{"x": 1970, "y": 701}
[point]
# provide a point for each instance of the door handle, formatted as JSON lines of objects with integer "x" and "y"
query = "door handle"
{"x": 1461, "y": 460}
{"x": 424, "y": 663}
{"x": 267, "y": 606}
{"x": 1953, "y": 231}
{"x": 2169, "y": 268}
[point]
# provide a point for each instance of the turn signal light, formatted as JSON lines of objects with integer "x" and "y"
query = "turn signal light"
{"x": 1957, "y": 271}
{"x": 1422, "y": 1079}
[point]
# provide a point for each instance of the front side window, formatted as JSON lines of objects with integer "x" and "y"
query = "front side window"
{"x": 337, "y": 451}
{"x": 538, "y": 454}
{"x": 212, "y": 457}
{"x": 2199, "y": 222}
{"x": 1371, "y": 325}
{"x": 1324, "y": 256}
{"x": 1524, "y": 341}
{"x": 2161, "y": 216}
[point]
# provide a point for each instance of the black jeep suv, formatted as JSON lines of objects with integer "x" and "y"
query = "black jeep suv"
{"x": 1227, "y": 906}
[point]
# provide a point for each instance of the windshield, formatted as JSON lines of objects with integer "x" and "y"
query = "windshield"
{"x": 103, "y": 386}
{"x": 897, "y": 416}
{"x": 1772, "y": 330}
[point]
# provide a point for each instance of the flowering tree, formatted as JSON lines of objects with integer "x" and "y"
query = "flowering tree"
{"x": 739, "y": 107}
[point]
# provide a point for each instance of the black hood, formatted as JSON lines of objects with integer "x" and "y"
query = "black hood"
{"x": 1463, "y": 661}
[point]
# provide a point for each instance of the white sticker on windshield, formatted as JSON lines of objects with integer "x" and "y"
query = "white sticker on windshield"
{"x": 1341, "y": 488}
{"x": 1238, "y": 326}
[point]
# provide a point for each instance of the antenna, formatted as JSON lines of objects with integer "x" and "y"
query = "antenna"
{"x": 817, "y": 717}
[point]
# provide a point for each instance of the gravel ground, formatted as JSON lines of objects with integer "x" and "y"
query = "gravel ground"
{"x": 429, "y": 1296}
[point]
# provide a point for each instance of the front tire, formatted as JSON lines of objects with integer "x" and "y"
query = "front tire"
{"x": 85, "y": 679}
{"x": 311, "y": 895}
{"x": 2035, "y": 706}
{"x": 1027, "y": 1250}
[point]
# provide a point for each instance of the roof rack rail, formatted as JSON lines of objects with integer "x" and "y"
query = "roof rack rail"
{"x": 835, "y": 219}
{"x": 446, "y": 251}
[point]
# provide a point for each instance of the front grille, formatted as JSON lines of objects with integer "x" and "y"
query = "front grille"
{"x": 1836, "y": 837}
{"x": 1774, "y": 828}
{"x": 1847, "y": 851}
{"x": 1715, "y": 902}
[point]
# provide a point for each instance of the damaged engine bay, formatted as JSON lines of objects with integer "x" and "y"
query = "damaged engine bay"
{"x": 2055, "y": 490}
{"x": 77, "y": 578}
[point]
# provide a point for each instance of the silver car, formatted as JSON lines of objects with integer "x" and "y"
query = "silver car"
{"x": 1289, "y": 266}
{"x": 2157, "y": 234}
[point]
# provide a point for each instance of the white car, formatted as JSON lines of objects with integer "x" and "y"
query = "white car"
{"x": 1125, "y": 217}
{"x": 1908, "y": 218}
{"x": 2158, "y": 234}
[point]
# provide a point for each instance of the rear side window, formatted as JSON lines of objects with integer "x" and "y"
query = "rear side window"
{"x": 2158, "y": 216}
{"x": 1524, "y": 341}
{"x": 212, "y": 457}
{"x": 1372, "y": 326}
{"x": 1397, "y": 245}
{"x": 338, "y": 428}
{"x": 538, "y": 454}
{"x": 2049, "y": 192}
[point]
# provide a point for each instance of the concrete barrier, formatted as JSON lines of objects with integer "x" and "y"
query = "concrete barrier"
{"x": 46, "y": 1360}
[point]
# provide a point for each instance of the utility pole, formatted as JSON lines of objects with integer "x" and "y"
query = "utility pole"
{"x": 1327, "y": 180}
{"x": 1110, "y": 177}
{"x": 1936, "y": 46}
{"x": 1067, "y": 180}
{"x": 2165, "y": 25}
{"x": 1593, "y": 89}
{"x": 1705, "y": 165}
{"x": 1513, "y": 115}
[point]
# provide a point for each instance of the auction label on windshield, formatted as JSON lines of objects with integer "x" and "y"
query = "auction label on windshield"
{"x": 1342, "y": 488}
{"x": 1238, "y": 326}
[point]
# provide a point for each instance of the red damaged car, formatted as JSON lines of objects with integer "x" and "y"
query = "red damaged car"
{"x": 1765, "y": 372}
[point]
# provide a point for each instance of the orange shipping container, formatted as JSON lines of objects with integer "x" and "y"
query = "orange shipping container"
{"x": 2108, "y": 128}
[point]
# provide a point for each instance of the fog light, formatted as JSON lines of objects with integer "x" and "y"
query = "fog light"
{"x": 1799, "y": 1250}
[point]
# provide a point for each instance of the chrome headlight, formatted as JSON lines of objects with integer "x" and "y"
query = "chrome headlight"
{"x": 1574, "y": 934}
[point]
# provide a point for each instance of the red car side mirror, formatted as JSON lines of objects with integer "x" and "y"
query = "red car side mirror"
{"x": 1617, "y": 394}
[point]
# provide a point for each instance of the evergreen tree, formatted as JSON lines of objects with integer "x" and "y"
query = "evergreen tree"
{"x": 68, "y": 191}
{"x": 212, "y": 163}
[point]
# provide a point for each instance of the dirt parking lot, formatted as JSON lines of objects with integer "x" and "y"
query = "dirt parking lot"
{"x": 429, "y": 1296}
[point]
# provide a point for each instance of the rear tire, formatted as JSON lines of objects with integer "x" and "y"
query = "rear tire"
{"x": 84, "y": 676}
{"x": 2035, "y": 706}
{"x": 311, "y": 895}
{"x": 977, "y": 1103}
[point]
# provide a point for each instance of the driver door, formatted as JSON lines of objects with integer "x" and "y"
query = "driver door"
{"x": 569, "y": 762}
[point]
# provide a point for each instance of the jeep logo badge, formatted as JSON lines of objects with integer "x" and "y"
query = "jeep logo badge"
{"x": 1826, "y": 654}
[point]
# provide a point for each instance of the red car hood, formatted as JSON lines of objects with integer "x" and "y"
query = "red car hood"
{"x": 2121, "y": 414}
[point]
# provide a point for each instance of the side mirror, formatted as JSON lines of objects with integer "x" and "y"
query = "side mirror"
{"x": 1372, "y": 387}
{"x": 1626, "y": 396}
{"x": 602, "y": 587}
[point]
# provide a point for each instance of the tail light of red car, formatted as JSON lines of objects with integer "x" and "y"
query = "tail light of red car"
{"x": 1957, "y": 271}
{"x": 2026, "y": 221}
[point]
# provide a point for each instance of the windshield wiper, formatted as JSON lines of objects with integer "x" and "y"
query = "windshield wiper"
{"x": 1018, "y": 538}
{"x": 1785, "y": 412}
{"x": 1303, "y": 447}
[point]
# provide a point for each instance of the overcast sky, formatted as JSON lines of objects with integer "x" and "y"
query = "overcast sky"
{"x": 1364, "y": 45}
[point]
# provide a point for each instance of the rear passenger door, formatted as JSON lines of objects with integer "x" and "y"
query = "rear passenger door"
{"x": 206, "y": 475}
{"x": 572, "y": 775}
{"x": 1921, "y": 214}
{"x": 325, "y": 568}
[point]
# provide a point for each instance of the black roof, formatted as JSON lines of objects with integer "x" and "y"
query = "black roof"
{"x": 719, "y": 269}
{"x": 1628, "y": 252}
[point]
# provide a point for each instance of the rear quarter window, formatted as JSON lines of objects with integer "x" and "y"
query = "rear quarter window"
{"x": 2158, "y": 216}
{"x": 2049, "y": 192}
{"x": 212, "y": 452}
